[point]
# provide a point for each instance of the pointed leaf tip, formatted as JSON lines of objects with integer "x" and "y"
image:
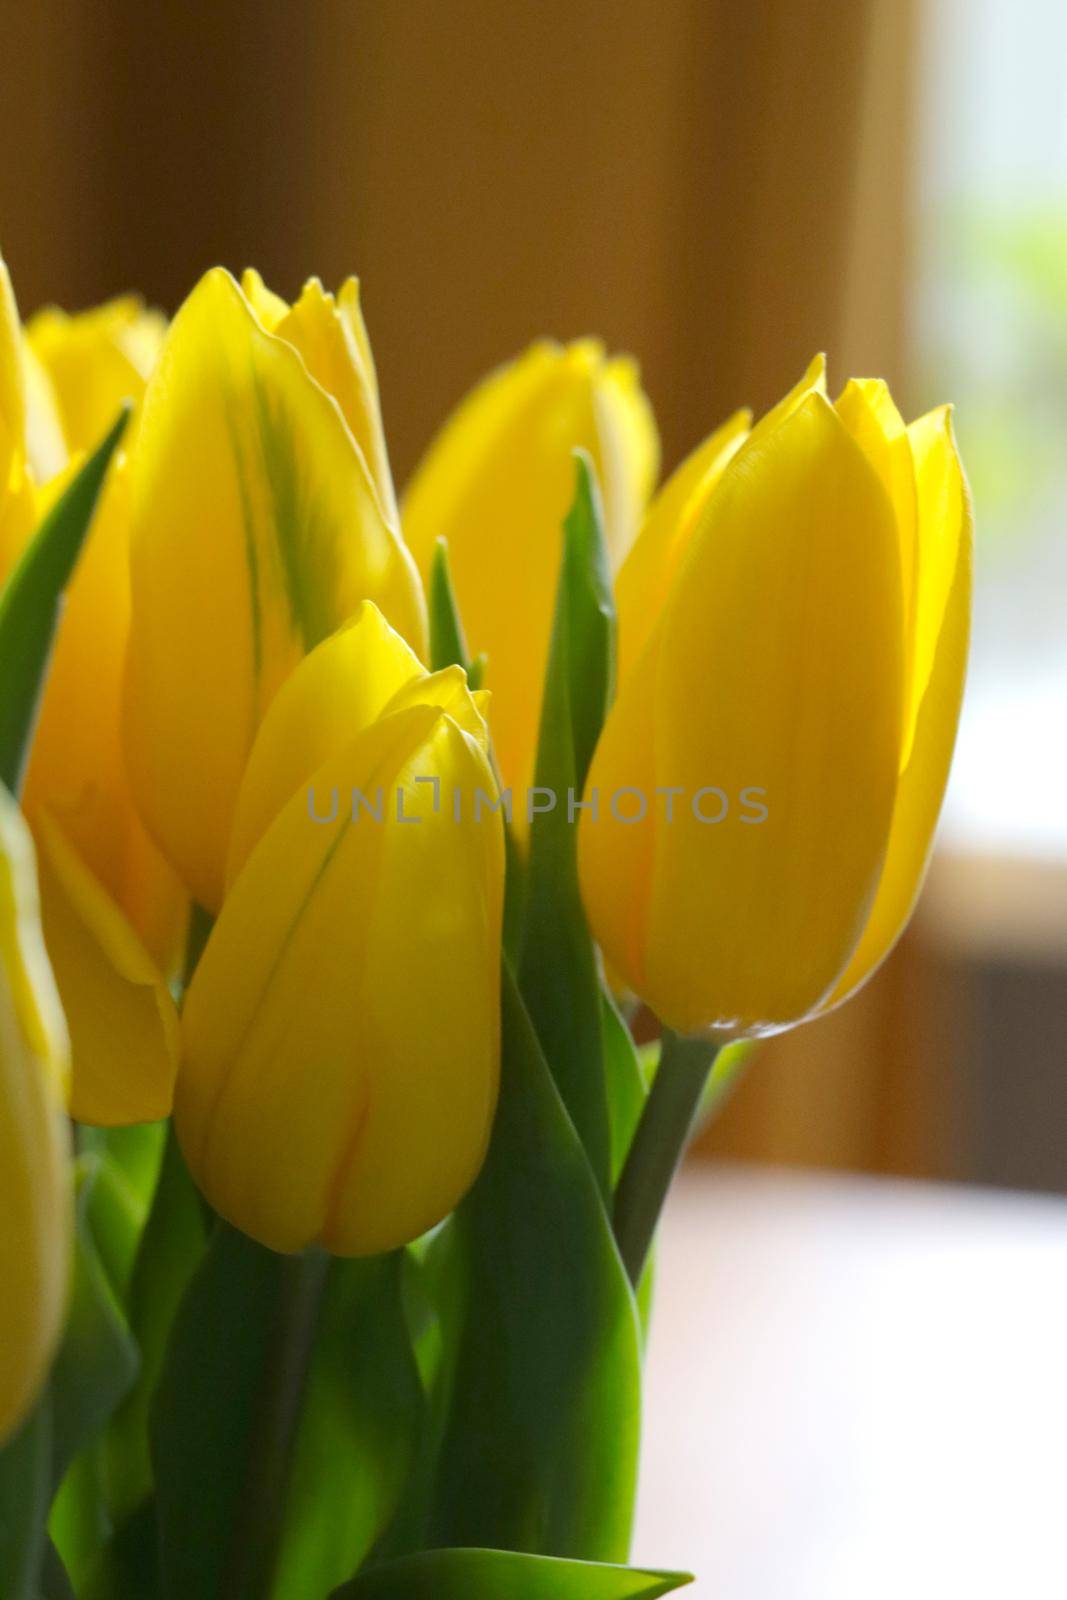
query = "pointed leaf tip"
{"x": 448, "y": 645}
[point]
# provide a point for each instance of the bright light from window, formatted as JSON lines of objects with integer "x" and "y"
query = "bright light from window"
{"x": 992, "y": 332}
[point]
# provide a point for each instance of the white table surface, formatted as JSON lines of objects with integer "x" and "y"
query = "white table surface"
{"x": 857, "y": 1390}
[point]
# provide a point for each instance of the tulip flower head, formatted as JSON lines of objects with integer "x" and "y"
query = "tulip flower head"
{"x": 793, "y": 633}
{"x": 94, "y": 361}
{"x": 340, "y": 1037}
{"x": 114, "y": 913}
{"x": 257, "y": 530}
{"x": 35, "y": 1190}
{"x": 497, "y": 483}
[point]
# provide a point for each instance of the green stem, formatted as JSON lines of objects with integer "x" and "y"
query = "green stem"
{"x": 659, "y": 1144}
{"x": 259, "y": 1522}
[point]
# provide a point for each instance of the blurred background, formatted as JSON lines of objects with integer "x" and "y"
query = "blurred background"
{"x": 721, "y": 189}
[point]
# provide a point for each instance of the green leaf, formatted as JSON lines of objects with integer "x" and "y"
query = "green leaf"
{"x": 25, "y": 1493}
{"x": 98, "y": 1359}
{"x": 448, "y": 647}
{"x": 30, "y": 605}
{"x": 95, "y": 1368}
{"x": 505, "y": 1575}
{"x": 588, "y": 624}
{"x": 358, "y": 1429}
{"x": 128, "y": 1567}
{"x": 625, "y": 1082}
{"x": 540, "y": 1447}
{"x": 448, "y": 644}
{"x": 55, "y": 1580}
{"x": 224, "y": 1416}
{"x": 171, "y": 1247}
{"x": 557, "y": 964}
{"x": 125, "y": 1162}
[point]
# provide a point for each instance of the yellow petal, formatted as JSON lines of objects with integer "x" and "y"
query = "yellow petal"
{"x": 12, "y": 390}
{"x": 335, "y": 692}
{"x": 340, "y": 1037}
{"x": 123, "y": 1025}
{"x": 96, "y": 360}
{"x": 269, "y": 307}
{"x": 943, "y": 612}
{"x": 256, "y": 533}
{"x": 331, "y": 336}
{"x": 76, "y": 770}
{"x": 449, "y": 690}
{"x": 649, "y": 570}
{"x": 46, "y": 444}
{"x": 867, "y": 410}
{"x": 497, "y": 484}
{"x": 616, "y": 859}
{"x": 34, "y": 1141}
{"x": 629, "y": 451}
{"x": 19, "y": 516}
{"x": 813, "y": 381}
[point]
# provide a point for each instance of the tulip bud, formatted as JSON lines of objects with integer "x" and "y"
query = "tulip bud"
{"x": 114, "y": 913}
{"x": 34, "y": 1143}
{"x": 94, "y": 361}
{"x": 788, "y": 713}
{"x": 340, "y": 1039}
{"x": 497, "y": 483}
{"x": 256, "y": 531}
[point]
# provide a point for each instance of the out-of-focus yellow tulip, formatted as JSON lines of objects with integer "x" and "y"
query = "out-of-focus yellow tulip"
{"x": 497, "y": 483}
{"x": 787, "y": 714}
{"x": 114, "y": 913}
{"x": 330, "y": 334}
{"x": 256, "y": 532}
{"x": 94, "y": 361}
{"x": 341, "y": 1034}
{"x": 35, "y": 1194}
{"x": 12, "y": 389}
{"x": 17, "y": 498}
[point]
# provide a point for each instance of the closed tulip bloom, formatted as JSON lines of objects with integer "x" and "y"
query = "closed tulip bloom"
{"x": 94, "y": 361}
{"x": 257, "y": 530}
{"x": 114, "y": 912}
{"x": 340, "y": 1039}
{"x": 497, "y": 483}
{"x": 788, "y": 712}
{"x": 35, "y": 1191}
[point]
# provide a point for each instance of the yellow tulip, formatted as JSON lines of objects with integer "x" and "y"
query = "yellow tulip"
{"x": 17, "y": 498}
{"x": 787, "y": 712}
{"x": 114, "y": 913}
{"x": 340, "y": 1039}
{"x": 94, "y": 361}
{"x": 12, "y": 384}
{"x": 332, "y": 338}
{"x": 34, "y": 1143}
{"x": 497, "y": 484}
{"x": 256, "y": 532}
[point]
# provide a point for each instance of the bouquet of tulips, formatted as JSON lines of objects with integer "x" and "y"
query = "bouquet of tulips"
{"x": 340, "y": 839}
